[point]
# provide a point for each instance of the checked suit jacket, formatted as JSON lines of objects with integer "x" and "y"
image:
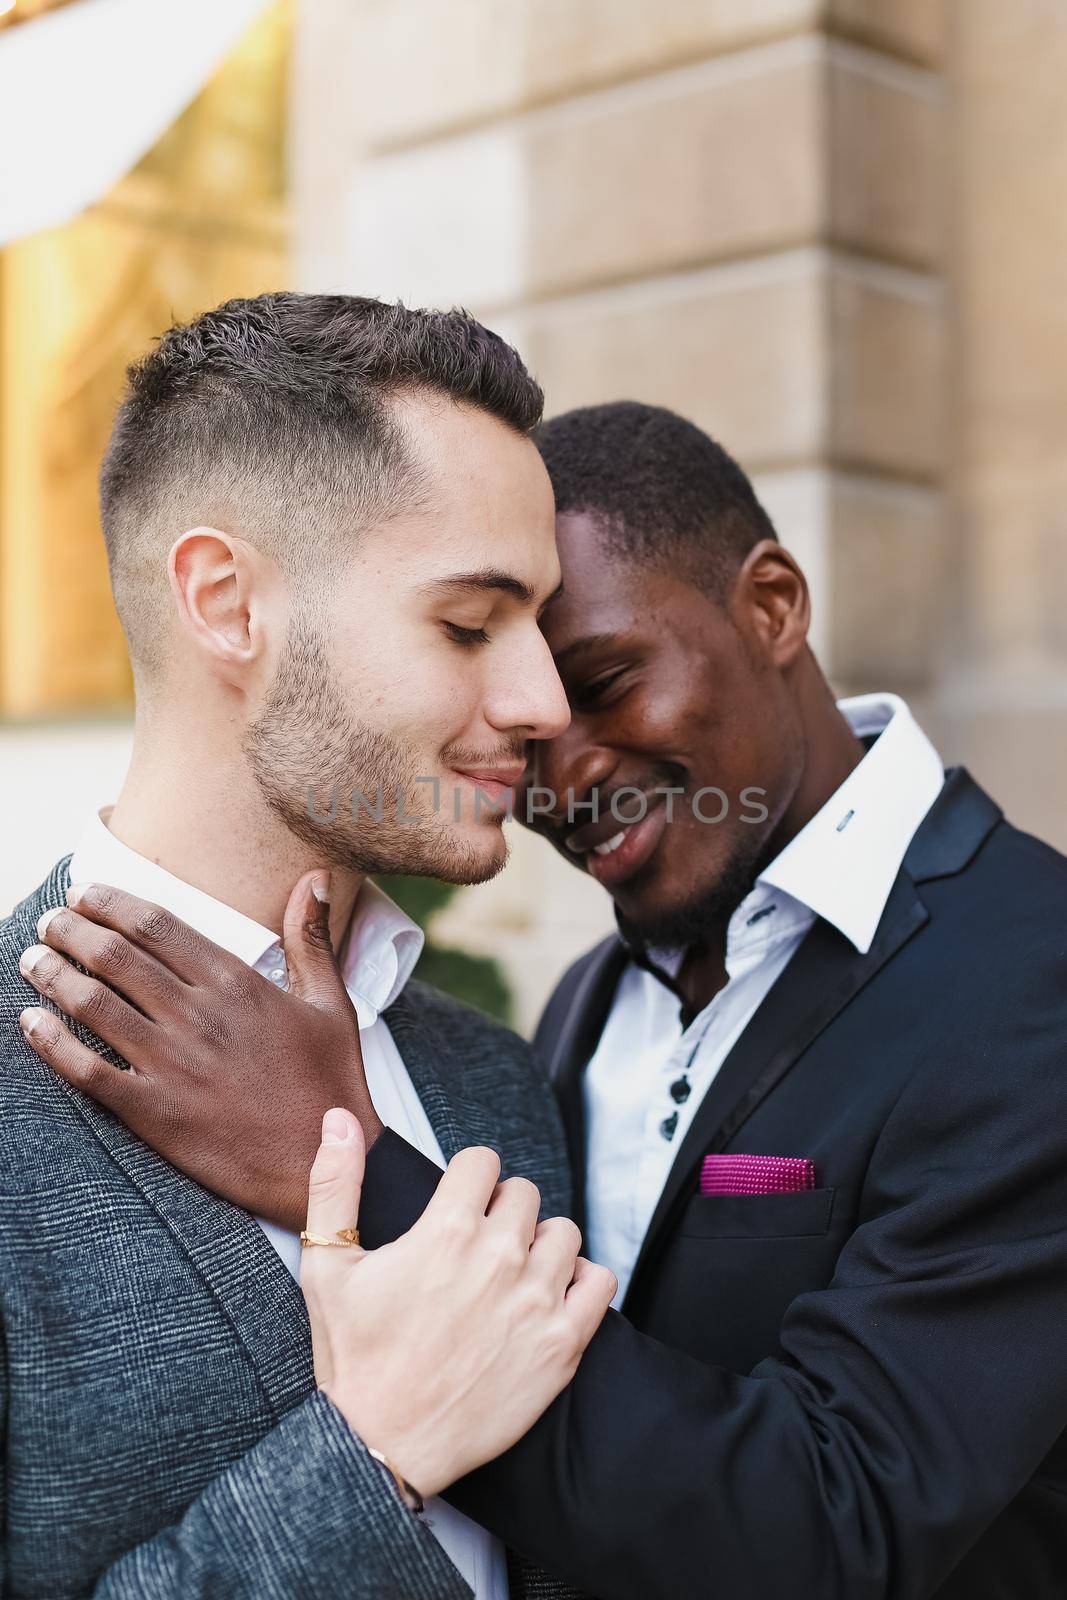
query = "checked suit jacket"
{"x": 163, "y": 1436}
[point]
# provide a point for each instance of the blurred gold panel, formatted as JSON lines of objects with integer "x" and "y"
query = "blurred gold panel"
{"x": 12, "y": 12}
{"x": 201, "y": 219}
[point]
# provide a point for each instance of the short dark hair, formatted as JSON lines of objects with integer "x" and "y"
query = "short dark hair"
{"x": 274, "y": 412}
{"x": 664, "y": 492}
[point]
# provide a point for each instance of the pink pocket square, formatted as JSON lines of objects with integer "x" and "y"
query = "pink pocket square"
{"x": 737, "y": 1174}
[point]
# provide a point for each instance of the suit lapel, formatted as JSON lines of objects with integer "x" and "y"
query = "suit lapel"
{"x": 230, "y": 1252}
{"x": 225, "y": 1245}
{"x": 456, "y": 1120}
{"x": 572, "y": 1047}
{"x": 820, "y": 980}
{"x": 461, "y": 1104}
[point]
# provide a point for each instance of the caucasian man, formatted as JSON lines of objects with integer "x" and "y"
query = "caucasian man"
{"x": 313, "y": 506}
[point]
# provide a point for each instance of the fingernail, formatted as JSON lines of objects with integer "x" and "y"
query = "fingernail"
{"x": 45, "y": 918}
{"x": 29, "y": 958}
{"x": 75, "y": 892}
{"x": 335, "y": 1128}
{"x": 29, "y": 1020}
{"x": 320, "y": 887}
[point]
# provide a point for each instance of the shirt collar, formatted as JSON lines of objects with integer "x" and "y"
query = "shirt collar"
{"x": 101, "y": 858}
{"x": 380, "y": 950}
{"x": 844, "y": 861}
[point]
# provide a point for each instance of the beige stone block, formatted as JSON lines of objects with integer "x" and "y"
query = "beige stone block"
{"x": 885, "y": 143}
{"x": 422, "y": 66}
{"x": 723, "y": 160}
{"x": 1013, "y": 533}
{"x": 774, "y": 147}
{"x": 1010, "y": 247}
{"x": 886, "y": 344}
{"x": 916, "y": 29}
{"x": 1009, "y": 698}
{"x": 802, "y": 359}
{"x": 717, "y": 161}
{"x": 739, "y": 350}
{"x": 886, "y": 563}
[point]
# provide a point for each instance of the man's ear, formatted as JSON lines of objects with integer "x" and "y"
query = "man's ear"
{"x": 218, "y": 581}
{"x": 772, "y": 601}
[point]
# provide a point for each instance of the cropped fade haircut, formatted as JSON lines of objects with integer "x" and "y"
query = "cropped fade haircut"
{"x": 664, "y": 493}
{"x": 270, "y": 417}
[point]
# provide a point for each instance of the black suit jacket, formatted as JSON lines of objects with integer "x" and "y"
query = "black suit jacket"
{"x": 857, "y": 1392}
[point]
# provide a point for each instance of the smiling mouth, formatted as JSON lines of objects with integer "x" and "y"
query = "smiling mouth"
{"x": 497, "y": 784}
{"x": 626, "y": 851}
{"x": 610, "y": 845}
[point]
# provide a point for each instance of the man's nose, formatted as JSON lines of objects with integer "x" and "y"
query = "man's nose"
{"x": 565, "y": 769}
{"x": 524, "y": 696}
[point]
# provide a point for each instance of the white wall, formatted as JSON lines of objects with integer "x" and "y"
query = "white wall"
{"x": 52, "y": 777}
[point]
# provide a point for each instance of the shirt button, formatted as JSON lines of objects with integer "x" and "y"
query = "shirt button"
{"x": 278, "y": 976}
{"x": 668, "y": 1125}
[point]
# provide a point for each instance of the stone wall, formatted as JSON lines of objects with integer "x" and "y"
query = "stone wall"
{"x": 826, "y": 230}
{"x": 1002, "y": 698}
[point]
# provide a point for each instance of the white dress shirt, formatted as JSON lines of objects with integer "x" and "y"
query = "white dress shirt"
{"x": 840, "y": 866}
{"x": 381, "y": 949}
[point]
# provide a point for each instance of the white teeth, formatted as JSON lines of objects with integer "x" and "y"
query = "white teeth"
{"x": 609, "y": 845}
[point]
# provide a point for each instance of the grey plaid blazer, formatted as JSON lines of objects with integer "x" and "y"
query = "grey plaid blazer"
{"x": 162, "y": 1432}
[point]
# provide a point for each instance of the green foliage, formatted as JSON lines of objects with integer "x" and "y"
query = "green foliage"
{"x": 476, "y": 979}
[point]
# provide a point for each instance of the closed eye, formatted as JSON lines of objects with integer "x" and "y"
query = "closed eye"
{"x": 465, "y": 636}
{"x": 590, "y": 693}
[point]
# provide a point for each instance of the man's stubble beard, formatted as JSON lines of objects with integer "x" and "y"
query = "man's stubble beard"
{"x": 309, "y": 757}
{"x": 689, "y": 922}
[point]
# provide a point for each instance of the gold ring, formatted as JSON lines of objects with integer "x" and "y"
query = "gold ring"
{"x": 345, "y": 1237}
